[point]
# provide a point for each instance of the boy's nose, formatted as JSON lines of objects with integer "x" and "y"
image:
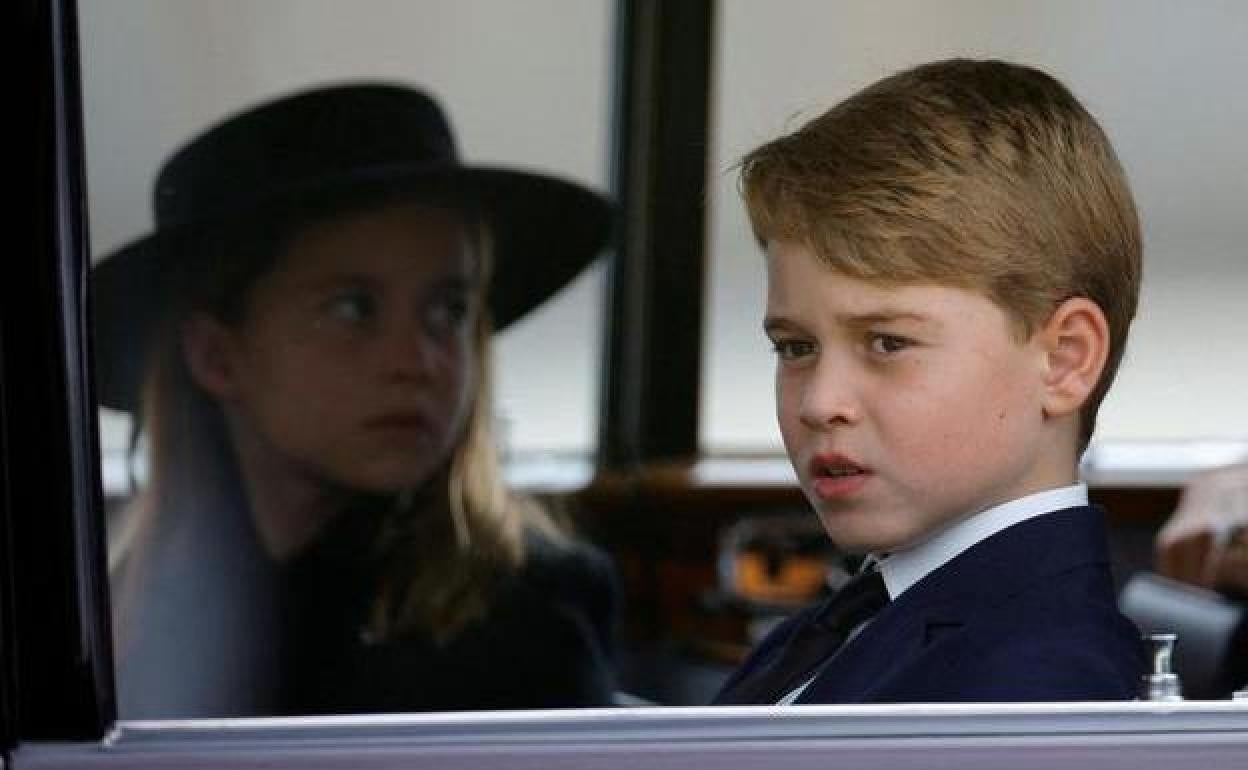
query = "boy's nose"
{"x": 829, "y": 398}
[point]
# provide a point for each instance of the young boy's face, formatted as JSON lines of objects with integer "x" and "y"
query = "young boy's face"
{"x": 903, "y": 408}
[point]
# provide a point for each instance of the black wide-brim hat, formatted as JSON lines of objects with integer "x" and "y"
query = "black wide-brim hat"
{"x": 337, "y": 142}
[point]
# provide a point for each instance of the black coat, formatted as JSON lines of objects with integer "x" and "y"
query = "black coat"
{"x": 545, "y": 641}
{"x": 219, "y": 630}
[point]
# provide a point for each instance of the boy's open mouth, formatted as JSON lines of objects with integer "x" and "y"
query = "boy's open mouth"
{"x": 839, "y": 470}
{"x": 834, "y": 476}
{"x": 832, "y": 464}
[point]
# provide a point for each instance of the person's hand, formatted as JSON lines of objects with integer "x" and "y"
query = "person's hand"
{"x": 1205, "y": 542}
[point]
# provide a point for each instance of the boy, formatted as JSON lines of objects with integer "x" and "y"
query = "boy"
{"x": 953, "y": 260}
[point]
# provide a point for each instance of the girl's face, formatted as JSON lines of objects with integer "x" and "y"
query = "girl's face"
{"x": 355, "y": 363}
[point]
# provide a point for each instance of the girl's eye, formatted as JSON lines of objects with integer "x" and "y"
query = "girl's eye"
{"x": 447, "y": 313}
{"x": 887, "y": 344}
{"x": 791, "y": 350}
{"x": 352, "y": 306}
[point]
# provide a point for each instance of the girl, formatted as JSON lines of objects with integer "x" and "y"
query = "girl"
{"x": 306, "y": 337}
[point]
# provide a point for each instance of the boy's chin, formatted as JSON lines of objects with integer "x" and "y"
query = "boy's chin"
{"x": 860, "y": 541}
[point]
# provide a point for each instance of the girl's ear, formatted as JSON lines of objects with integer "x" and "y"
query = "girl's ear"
{"x": 209, "y": 353}
{"x": 1076, "y": 346}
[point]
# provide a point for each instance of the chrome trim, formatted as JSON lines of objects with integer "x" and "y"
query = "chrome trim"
{"x": 1086, "y": 735}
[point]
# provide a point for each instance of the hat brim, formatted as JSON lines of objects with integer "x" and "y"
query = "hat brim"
{"x": 544, "y": 231}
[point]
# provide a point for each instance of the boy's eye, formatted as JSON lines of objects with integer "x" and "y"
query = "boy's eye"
{"x": 886, "y": 344}
{"x": 790, "y": 350}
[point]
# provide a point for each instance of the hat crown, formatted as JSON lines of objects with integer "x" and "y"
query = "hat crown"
{"x": 308, "y": 153}
{"x": 300, "y": 143}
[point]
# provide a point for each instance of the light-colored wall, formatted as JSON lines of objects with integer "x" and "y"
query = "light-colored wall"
{"x": 1167, "y": 81}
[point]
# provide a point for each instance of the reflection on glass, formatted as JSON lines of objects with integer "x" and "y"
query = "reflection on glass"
{"x": 306, "y": 336}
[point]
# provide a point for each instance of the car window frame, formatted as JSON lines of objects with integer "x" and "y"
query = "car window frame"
{"x": 57, "y": 707}
{"x": 56, "y": 578}
{"x": 63, "y": 688}
{"x": 1137, "y": 736}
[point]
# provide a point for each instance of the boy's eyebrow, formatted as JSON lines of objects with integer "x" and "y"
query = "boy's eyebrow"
{"x": 882, "y": 316}
{"x": 774, "y": 322}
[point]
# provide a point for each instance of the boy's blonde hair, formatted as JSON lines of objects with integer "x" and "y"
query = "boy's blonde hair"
{"x": 981, "y": 175}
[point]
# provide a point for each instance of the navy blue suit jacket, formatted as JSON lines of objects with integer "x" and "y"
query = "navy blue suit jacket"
{"x": 1027, "y": 614}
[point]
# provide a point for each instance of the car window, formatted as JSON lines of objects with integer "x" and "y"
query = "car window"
{"x": 321, "y": 235}
{"x": 1156, "y": 80}
{"x": 267, "y": 299}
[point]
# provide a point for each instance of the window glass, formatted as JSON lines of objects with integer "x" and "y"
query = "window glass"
{"x": 155, "y": 72}
{"x": 275, "y": 300}
{"x": 1163, "y": 81}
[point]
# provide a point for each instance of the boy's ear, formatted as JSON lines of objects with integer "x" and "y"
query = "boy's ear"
{"x": 1075, "y": 341}
{"x": 208, "y": 351}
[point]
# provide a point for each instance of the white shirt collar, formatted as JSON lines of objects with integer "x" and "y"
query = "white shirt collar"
{"x": 902, "y": 569}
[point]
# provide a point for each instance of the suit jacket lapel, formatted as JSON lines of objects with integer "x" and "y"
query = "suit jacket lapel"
{"x": 944, "y": 601}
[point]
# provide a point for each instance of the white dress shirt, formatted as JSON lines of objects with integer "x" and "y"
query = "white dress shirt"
{"x": 902, "y": 569}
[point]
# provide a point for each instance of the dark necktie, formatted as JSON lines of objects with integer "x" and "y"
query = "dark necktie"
{"x": 813, "y": 643}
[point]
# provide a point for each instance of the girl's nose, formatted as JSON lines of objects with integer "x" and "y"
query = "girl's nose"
{"x": 408, "y": 351}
